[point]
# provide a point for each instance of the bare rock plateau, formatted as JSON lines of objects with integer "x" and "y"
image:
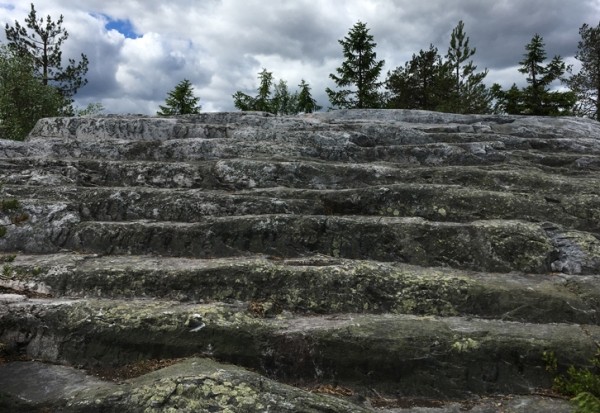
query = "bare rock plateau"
{"x": 349, "y": 261}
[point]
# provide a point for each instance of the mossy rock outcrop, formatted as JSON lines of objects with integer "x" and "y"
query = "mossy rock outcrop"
{"x": 367, "y": 260}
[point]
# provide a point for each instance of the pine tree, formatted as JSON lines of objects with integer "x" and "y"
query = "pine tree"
{"x": 306, "y": 103}
{"x": 425, "y": 82}
{"x": 586, "y": 83}
{"x": 360, "y": 69}
{"x": 42, "y": 43}
{"x": 180, "y": 101}
{"x": 470, "y": 94}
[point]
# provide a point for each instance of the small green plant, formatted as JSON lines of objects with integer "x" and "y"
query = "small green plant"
{"x": 6, "y": 270}
{"x": 7, "y": 258}
{"x": 7, "y": 205}
{"x": 11, "y": 206}
{"x": 582, "y": 384}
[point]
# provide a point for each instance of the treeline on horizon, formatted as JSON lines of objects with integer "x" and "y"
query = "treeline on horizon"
{"x": 34, "y": 82}
{"x": 448, "y": 83}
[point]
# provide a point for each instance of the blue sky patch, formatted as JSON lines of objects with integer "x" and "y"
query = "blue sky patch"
{"x": 122, "y": 26}
{"x": 7, "y": 6}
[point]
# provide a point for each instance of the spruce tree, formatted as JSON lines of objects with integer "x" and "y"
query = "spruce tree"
{"x": 181, "y": 101}
{"x": 586, "y": 83}
{"x": 42, "y": 43}
{"x": 262, "y": 101}
{"x": 284, "y": 102}
{"x": 360, "y": 70}
{"x": 537, "y": 98}
{"x": 306, "y": 103}
{"x": 279, "y": 101}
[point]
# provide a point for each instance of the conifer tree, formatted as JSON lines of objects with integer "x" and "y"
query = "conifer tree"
{"x": 262, "y": 101}
{"x": 180, "y": 101}
{"x": 42, "y": 41}
{"x": 280, "y": 101}
{"x": 284, "y": 102}
{"x": 586, "y": 83}
{"x": 425, "y": 82}
{"x": 306, "y": 103}
{"x": 470, "y": 94}
{"x": 360, "y": 70}
{"x": 537, "y": 98}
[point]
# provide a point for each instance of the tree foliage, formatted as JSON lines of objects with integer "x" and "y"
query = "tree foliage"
{"x": 536, "y": 98}
{"x": 180, "y": 101}
{"x": 582, "y": 384}
{"x": 360, "y": 71}
{"x": 276, "y": 99}
{"x": 586, "y": 83}
{"x": 429, "y": 82}
{"x": 41, "y": 40}
{"x": 305, "y": 102}
{"x": 424, "y": 82}
{"x": 92, "y": 109}
{"x": 24, "y": 99}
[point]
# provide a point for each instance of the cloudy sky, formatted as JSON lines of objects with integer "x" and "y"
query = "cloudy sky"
{"x": 140, "y": 49}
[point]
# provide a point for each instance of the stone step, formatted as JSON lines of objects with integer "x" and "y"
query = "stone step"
{"x": 492, "y": 246}
{"x": 240, "y": 174}
{"x": 316, "y": 147}
{"x": 402, "y": 354}
{"x": 386, "y": 123}
{"x": 198, "y": 383}
{"x": 430, "y": 201}
{"x": 486, "y": 245}
{"x": 317, "y": 284}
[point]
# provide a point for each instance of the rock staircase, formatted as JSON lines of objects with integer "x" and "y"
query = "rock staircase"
{"x": 349, "y": 261}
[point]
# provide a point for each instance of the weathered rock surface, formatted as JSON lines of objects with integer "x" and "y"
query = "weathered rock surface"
{"x": 197, "y": 385}
{"x": 403, "y": 261}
